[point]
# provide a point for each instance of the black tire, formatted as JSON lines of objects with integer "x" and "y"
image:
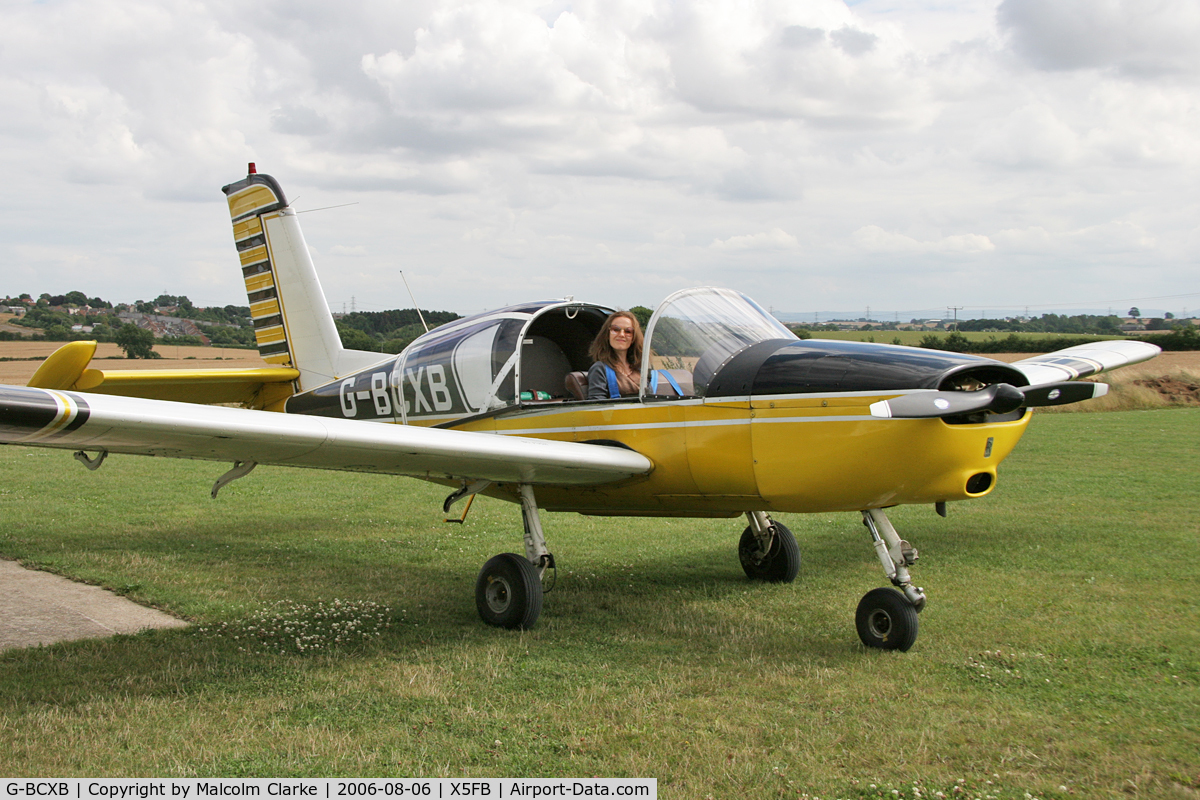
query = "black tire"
{"x": 781, "y": 563}
{"x": 508, "y": 592}
{"x": 886, "y": 620}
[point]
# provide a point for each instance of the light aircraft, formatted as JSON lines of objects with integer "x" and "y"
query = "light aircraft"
{"x": 761, "y": 422}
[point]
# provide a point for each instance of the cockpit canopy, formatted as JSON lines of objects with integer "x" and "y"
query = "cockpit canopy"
{"x": 707, "y": 342}
{"x": 528, "y": 353}
{"x": 695, "y": 331}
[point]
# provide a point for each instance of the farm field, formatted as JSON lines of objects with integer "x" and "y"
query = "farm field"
{"x": 1059, "y": 655}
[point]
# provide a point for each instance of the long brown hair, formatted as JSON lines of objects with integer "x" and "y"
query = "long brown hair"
{"x": 601, "y": 350}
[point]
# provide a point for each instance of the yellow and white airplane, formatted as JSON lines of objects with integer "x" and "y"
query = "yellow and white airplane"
{"x": 755, "y": 420}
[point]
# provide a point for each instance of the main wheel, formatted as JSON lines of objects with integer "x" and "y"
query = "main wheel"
{"x": 885, "y": 619}
{"x": 508, "y": 592}
{"x": 780, "y": 564}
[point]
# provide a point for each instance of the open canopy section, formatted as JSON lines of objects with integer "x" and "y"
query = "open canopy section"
{"x": 695, "y": 331}
{"x": 496, "y": 360}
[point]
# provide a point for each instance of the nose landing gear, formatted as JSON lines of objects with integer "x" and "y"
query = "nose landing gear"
{"x": 886, "y": 618}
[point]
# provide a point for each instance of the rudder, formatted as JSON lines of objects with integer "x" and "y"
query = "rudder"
{"x": 292, "y": 322}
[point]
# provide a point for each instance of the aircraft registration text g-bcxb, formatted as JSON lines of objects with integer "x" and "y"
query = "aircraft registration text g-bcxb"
{"x": 331, "y": 788}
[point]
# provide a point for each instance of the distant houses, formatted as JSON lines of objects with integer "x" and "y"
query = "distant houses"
{"x": 162, "y": 326}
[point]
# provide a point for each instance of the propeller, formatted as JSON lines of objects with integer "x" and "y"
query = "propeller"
{"x": 999, "y": 398}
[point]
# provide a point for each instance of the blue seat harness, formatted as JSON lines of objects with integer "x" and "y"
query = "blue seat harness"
{"x": 614, "y": 391}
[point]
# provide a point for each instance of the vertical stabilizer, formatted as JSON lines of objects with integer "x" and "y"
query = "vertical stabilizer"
{"x": 292, "y": 322}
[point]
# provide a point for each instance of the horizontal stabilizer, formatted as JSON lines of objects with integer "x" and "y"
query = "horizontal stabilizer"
{"x": 253, "y": 387}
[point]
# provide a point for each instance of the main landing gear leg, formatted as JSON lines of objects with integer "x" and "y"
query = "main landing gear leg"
{"x": 768, "y": 550}
{"x": 508, "y": 592}
{"x": 887, "y": 619}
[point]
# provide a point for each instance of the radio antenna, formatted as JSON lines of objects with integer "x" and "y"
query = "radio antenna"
{"x": 414, "y": 299}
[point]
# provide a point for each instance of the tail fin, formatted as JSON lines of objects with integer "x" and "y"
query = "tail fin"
{"x": 292, "y": 322}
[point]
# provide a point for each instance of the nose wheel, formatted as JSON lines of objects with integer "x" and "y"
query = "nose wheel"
{"x": 887, "y": 618}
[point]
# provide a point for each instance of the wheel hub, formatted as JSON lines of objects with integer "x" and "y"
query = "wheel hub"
{"x": 497, "y": 595}
{"x": 881, "y": 623}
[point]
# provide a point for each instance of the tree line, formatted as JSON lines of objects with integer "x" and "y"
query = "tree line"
{"x": 1180, "y": 338}
{"x": 388, "y": 331}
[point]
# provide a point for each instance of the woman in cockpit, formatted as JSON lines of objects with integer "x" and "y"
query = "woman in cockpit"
{"x": 617, "y": 350}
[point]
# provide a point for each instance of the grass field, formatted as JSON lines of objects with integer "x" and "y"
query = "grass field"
{"x": 1059, "y": 655}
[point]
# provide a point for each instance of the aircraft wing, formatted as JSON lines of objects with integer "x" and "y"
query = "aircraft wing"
{"x": 1083, "y": 360}
{"x": 79, "y": 421}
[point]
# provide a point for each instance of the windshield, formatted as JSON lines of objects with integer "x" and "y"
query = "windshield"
{"x": 695, "y": 331}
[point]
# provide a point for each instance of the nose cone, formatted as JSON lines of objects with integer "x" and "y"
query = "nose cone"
{"x": 1008, "y": 398}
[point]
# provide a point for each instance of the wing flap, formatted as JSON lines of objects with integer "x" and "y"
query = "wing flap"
{"x": 67, "y": 420}
{"x": 1083, "y": 360}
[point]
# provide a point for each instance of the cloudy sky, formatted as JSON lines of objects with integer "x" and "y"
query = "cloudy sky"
{"x": 901, "y": 155}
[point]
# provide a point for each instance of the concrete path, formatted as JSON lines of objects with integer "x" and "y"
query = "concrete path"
{"x": 40, "y": 608}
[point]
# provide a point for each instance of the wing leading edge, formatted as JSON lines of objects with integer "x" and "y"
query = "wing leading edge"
{"x": 1083, "y": 360}
{"x": 75, "y": 421}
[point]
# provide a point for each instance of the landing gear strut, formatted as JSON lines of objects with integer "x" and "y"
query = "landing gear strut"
{"x": 768, "y": 550}
{"x": 887, "y": 618}
{"x": 508, "y": 592}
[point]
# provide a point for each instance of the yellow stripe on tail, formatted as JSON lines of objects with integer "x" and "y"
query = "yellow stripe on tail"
{"x": 251, "y": 200}
{"x": 292, "y": 323}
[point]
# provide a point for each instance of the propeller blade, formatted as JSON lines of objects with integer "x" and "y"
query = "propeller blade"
{"x": 1057, "y": 394}
{"x": 999, "y": 398}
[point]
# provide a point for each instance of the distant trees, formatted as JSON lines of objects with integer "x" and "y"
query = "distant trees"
{"x": 136, "y": 342}
{"x": 1047, "y": 323}
{"x": 801, "y": 331}
{"x": 172, "y": 301}
{"x": 71, "y": 299}
{"x": 1183, "y": 337}
{"x": 387, "y": 331}
{"x": 354, "y": 339}
{"x": 642, "y": 314}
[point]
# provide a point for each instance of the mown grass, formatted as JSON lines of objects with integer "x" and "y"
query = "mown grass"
{"x": 1059, "y": 654}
